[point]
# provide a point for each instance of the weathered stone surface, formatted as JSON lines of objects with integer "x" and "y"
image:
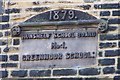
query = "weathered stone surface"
{"x": 89, "y": 1}
{"x": 105, "y": 62}
{"x": 6, "y": 49}
{"x": 119, "y": 44}
{"x": 108, "y": 59}
{"x": 118, "y": 71}
{"x": 110, "y": 37}
{"x": 58, "y": 79}
{"x": 64, "y": 72}
{"x": 0, "y": 50}
{"x": 13, "y": 10}
{"x": 40, "y": 73}
{"x": 107, "y": 45}
{"x": 108, "y": 70}
{"x": 9, "y": 65}
{"x": 3, "y": 42}
{"x": 53, "y": 52}
{"x": 4, "y": 26}
{"x": 106, "y": 78}
{"x": 16, "y": 42}
{"x": 14, "y": 57}
{"x": 100, "y": 54}
{"x": 45, "y": 17}
{"x": 112, "y": 28}
{"x": 1, "y": 34}
{"x": 116, "y": 13}
{"x": 3, "y": 74}
{"x": 7, "y": 33}
{"x": 20, "y": 73}
{"x": 3, "y": 57}
{"x": 1, "y": 7}
{"x": 112, "y": 53}
{"x": 89, "y": 71}
{"x": 107, "y": 6}
{"x": 71, "y": 79}
{"x": 117, "y": 78}
{"x": 4, "y": 18}
{"x": 85, "y": 7}
{"x": 105, "y": 13}
{"x": 114, "y": 21}
{"x": 92, "y": 79}
{"x": 118, "y": 64}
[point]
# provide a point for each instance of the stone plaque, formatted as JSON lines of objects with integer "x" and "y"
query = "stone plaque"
{"x": 64, "y": 48}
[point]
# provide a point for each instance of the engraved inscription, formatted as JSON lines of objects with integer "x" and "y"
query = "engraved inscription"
{"x": 55, "y": 45}
{"x": 80, "y": 55}
{"x": 61, "y": 48}
{"x": 62, "y": 15}
{"x": 59, "y": 56}
{"x": 36, "y": 36}
{"x": 58, "y": 35}
{"x": 38, "y": 57}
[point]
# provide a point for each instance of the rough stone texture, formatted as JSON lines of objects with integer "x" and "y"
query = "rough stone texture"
{"x": 48, "y": 79}
{"x": 118, "y": 71}
{"x": 118, "y": 65}
{"x": 40, "y": 73}
{"x": 3, "y": 42}
{"x": 14, "y": 10}
{"x": 108, "y": 43}
{"x": 20, "y": 73}
{"x": 100, "y": 54}
{"x": 16, "y": 42}
{"x": 3, "y": 58}
{"x": 85, "y": 7}
{"x": 1, "y": 7}
{"x": 92, "y": 79}
{"x": 89, "y": 71}
{"x": 117, "y": 78}
{"x": 116, "y": 13}
{"x": 0, "y": 50}
{"x": 64, "y": 72}
{"x": 3, "y": 74}
{"x": 14, "y": 57}
{"x": 112, "y": 28}
{"x": 108, "y": 70}
{"x": 119, "y": 44}
{"x": 7, "y": 33}
{"x": 89, "y": 1}
{"x": 114, "y": 21}
{"x": 1, "y": 34}
{"x": 110, "y": 37}
{"x": 4, "y": 18}
{"x": 112, "y": 53}
{"x": 71, "y": 79}
{"x": 6, "y": 49}
{"x": 107, "y": 6}
{"x": 105, "y": 13}
{"x": 105, "y": 62}
{"x": 9, "y": 65}
{"x": 58, "y": 79}
{"x": 4, "y": 26}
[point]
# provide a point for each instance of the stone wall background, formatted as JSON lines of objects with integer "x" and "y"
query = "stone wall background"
{"x": 108, "y": 59}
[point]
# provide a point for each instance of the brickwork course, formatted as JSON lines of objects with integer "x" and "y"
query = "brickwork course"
{"x": 14, "y": 12}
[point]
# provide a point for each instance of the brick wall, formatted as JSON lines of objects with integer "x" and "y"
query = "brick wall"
{"x": 108, "y": 58}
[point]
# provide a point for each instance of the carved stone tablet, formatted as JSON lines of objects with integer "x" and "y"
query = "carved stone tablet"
{"x": 64, "y": 48}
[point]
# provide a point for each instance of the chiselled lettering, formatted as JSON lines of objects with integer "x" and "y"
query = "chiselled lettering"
{"x": 62, "y": 15}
